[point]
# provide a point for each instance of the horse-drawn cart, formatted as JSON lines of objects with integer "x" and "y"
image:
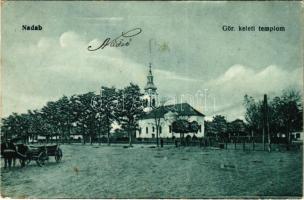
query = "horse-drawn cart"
{"x": 40, "y": 154}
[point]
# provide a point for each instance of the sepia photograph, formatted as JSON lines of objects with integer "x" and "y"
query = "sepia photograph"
{"x": 151, "y": 100}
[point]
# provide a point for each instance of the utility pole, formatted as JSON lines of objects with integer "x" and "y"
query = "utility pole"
{"x": 266, "y": 123}
{"x": 263, "y": 128}
{"x": 252, "y": 136}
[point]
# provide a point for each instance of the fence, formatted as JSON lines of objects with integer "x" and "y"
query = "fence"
{"x": 246, "y": 143}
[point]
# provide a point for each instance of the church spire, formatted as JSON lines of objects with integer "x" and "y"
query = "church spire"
{"x": 150, "y": 84}
{"x": 150, "y": 95}
{"x": 150, "y": 68}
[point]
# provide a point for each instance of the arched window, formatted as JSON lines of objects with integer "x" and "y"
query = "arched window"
{"x": 160, "y": 129}
{"x": 147, "y": 130}
{"x": 145, "y": 102}
{"x": 153, "y": 129}
{"x": 153, "y": 102}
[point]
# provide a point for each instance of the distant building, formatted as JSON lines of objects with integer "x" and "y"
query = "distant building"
{"x": 168, "y": 113}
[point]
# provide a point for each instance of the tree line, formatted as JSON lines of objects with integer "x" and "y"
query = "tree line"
{"x": 220, "y": 127}
{"x": 282, "y": 114}
{"x": 90, "y": 115}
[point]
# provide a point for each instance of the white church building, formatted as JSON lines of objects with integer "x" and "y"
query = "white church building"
{"x": 166, "y": 115}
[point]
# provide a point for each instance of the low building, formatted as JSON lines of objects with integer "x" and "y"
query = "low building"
{"x": 147, "y": 125}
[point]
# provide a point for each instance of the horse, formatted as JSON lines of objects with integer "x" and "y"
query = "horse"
{"x": 21, "y": 153}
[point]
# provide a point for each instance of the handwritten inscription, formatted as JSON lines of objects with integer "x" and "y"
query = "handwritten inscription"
{"x": 122, "y": 40}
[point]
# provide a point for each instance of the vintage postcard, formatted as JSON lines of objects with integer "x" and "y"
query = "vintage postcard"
{"x": 152, "y": 100}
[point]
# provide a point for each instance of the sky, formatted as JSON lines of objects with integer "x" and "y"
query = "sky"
{"x": 203, "y": 65}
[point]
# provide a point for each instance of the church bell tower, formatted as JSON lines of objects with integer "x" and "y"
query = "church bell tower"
{"x": 150, "y": 96}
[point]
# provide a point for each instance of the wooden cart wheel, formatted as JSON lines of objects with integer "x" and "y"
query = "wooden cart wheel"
{"x": 42, "y": 157}
{"x": 58, "y": 155}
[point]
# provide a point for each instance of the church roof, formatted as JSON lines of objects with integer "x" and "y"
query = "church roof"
{"x": 182, "y": 109}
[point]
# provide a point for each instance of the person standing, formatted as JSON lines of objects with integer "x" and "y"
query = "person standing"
{"x": 8, "y": 151}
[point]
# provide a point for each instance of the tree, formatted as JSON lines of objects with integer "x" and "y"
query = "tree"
{"x": 108, "y": 108}
{"x": 237, "y": 126}
{"x": 24, "y": 126}
{"x": 284, "y": 113}
{"x": 64, "y": 110}
{"x": 38, "y": 125}
{"x": 158, "y": 115}
{"x": 10, "y": 126}
{"x": 288, "y": 112}
{"x": 183, "y": 126}
{"x": 253, "y": 114}
{"x": 85, "y": 114}
{"x": 129, "y": 109}
{"x": 219, "y": 125}
{"x": 53, "y": 118}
